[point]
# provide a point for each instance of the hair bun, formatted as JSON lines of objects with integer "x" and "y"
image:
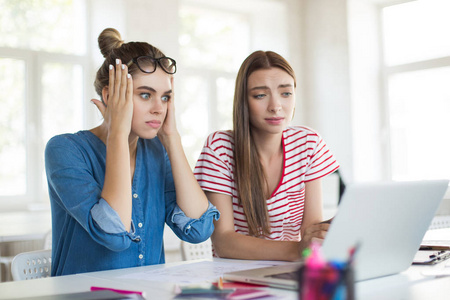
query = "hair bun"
{"x": 109, "y": 40}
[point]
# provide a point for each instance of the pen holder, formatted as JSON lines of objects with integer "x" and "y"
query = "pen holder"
{"x": 333, "y": 281}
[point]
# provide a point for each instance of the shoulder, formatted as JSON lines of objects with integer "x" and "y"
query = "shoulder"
{"x": 81, "y": 143}
{"x": 67, "y": 140}
{"x": 220, "y": 139}
{"x": 299, "y": 134}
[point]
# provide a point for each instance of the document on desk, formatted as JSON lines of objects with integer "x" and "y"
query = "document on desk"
{"x": 196, "y": 272}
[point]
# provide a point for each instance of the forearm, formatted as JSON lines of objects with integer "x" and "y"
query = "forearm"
{"x": 190, "y": 197}
{"x": 117, "y": 186}
{"x": 239, "y": 246}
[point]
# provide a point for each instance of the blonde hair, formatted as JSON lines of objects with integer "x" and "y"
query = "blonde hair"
{"x": 113, "y": 47}
{"x": 249, "y": 174}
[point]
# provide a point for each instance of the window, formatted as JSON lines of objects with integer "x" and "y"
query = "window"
{"x": 417, "y": 68}
{"x": 12, "y": 127}
{"x": 214, "y": 40}
{"x": 42, "y": 66}
{"x": 210, "y": 61}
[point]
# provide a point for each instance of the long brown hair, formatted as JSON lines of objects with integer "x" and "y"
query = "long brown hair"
{"x": 249, "y": 174}
{"x": 112, "y": 47}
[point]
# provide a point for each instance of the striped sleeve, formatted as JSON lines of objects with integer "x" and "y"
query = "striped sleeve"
{"x": 322, "y": 161}
{"x": 213, "y": 170}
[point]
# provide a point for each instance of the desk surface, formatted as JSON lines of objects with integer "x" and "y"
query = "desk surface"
{"x": 411, "y": 284}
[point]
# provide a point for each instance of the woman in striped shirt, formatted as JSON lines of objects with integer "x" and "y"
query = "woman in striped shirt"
{"x": 265, "y": 176}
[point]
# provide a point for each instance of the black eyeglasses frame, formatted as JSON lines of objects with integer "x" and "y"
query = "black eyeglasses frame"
{"x": 157, "y": 62}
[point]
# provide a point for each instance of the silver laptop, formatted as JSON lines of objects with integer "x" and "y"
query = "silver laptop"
{"x": 387, "y": 219}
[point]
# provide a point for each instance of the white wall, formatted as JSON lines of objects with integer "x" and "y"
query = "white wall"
{"x": 369, "y": 142}
{"x": 326, "y": 82}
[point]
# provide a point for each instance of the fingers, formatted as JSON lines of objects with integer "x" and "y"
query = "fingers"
{"x": 129, "y": 95}
{"x": 317, "y": 231}
{"x": 118, "y": 82}
{"x": 111, "y": 80}
{"x": 318, "y": 227}
{"x": 317, "y": 240}
{"x": 123, "y": 82}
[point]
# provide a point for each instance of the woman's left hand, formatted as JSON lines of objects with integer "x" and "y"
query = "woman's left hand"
{"x": 169, "y": 127}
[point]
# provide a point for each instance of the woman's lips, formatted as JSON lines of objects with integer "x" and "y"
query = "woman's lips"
{"x": 154, "y": 123}
{"x": 274, "y": 121}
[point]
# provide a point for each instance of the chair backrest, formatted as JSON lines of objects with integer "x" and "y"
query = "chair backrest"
{"x": 440, "y": 222}
{"x": 31, "y": 265}
{"x": 196, "y": 251}
{"x": 48, "y": 240}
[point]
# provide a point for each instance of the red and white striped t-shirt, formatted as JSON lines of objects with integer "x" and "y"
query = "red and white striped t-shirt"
{"x": 306, "y": 158}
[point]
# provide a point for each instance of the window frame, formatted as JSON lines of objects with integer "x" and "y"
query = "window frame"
{"x": 385, "y": 72}
{"x": 34, "y": 61}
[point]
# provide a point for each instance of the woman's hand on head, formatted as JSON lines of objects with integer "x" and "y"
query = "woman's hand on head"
{"x": 169, "y": 127}
{"x": 117, "y": 107}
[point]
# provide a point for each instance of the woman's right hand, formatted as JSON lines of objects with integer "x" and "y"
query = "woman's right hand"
{"x": 117, "y": 108}
{"x": 314, "y": 233}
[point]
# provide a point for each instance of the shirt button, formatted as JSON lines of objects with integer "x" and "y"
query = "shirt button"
{"x": 141, "y": 256}
{"x": 188, "y": 227}
{"x": 135, "y": 195}
{"x": 140, "y": 225}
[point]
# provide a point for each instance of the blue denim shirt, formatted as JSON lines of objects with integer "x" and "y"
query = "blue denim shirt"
{"x": 88, "y": 234}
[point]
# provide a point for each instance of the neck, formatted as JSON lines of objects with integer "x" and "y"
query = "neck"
{"x": 268, "y": 145}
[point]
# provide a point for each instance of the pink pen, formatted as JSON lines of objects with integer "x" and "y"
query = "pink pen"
{"x": 97, "y": 288}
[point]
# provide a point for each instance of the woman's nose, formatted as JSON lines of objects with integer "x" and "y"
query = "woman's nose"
{"x": 157, "y": 107}
{"x": 274, "y": 105}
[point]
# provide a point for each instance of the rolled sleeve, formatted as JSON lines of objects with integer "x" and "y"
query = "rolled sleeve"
{"x": 195, "y": 230}
{"x": 109, "y": 220}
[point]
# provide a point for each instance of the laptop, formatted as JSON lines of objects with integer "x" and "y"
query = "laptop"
{"x": 388, "y": 221}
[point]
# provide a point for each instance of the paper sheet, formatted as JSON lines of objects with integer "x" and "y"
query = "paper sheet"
{"x": 195, "y": 272}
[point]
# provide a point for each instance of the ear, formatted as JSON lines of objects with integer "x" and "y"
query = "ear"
{"x": 105, "y": 95}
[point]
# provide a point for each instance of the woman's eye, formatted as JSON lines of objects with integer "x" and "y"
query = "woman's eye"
{"x": 145, "y": 96}
{"x": 165, "y": 98}
{"x": 259, "y": 96}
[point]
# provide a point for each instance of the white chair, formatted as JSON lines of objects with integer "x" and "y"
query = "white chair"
{"x": 31, "y": 265}
{"x": 440, "y": 222}
{"x": 196, "y": 251}
{"x": 48, "y": 240}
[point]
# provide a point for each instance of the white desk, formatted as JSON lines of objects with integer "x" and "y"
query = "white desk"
{"x": 409, "y": 285}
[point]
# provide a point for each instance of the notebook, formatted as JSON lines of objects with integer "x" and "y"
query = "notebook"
{"x": 387, "y": 219}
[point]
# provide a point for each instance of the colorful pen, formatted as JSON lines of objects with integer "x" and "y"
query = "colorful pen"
{"x": 97, "y": 288}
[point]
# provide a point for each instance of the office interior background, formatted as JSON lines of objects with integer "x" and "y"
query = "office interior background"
{"x": 372, "y": 77}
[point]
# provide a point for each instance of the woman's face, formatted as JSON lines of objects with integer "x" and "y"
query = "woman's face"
{"x": 271, "y": 100}
{"x": 150, "y": 95}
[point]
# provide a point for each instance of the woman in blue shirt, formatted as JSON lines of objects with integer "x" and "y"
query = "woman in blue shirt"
{"x": 113, "y": 188}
